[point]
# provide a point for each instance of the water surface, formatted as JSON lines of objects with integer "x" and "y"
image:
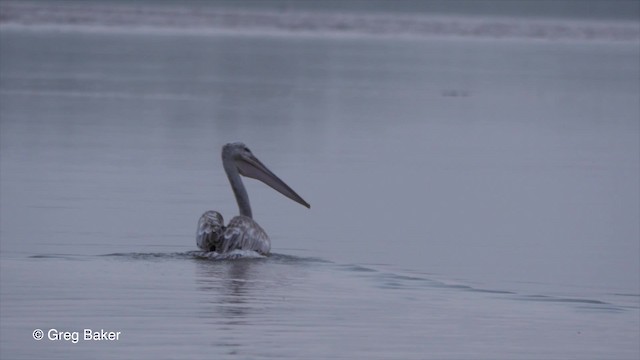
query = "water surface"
{"x": 469, "y": 198}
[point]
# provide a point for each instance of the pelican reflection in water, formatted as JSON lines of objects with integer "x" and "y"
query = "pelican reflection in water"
{"x": 242, "y": 232}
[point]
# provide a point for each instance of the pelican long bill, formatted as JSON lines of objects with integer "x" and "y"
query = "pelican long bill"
{"x": 250, "y": 166}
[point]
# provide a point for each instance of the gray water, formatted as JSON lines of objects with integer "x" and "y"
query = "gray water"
{"x": 470, "y": 199}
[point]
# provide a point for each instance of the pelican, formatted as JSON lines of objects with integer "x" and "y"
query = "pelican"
{"x": 242, "y": 232}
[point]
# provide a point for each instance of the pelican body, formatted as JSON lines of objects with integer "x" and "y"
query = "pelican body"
{"x": 242, "y": 232}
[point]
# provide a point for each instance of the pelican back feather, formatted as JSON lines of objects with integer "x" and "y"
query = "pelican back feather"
{"x": 243, "y": 233}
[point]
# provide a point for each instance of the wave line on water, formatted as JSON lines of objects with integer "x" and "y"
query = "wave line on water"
{"x": 399, "y": 281}
{"x": 197, "y": 255}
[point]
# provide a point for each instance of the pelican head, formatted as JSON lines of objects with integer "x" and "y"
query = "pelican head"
{"x": 237, "y": 158}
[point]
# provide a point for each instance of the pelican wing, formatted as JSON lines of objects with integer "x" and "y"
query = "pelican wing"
{"x": 243, "y": 233}
{"x": 210, "y": 229}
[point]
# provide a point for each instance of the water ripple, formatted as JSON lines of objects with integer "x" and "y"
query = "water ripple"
{"x": 382, "y": 279}
{"x": 395, "y": 281}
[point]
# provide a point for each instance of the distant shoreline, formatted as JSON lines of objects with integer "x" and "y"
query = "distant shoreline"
{"x": 208, "y": 20}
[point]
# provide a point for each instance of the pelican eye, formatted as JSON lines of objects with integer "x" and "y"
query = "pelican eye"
{"x": 247, "y": 149}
